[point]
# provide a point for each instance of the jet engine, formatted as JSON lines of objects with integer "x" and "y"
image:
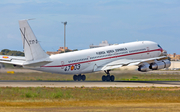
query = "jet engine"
{"x": 160, "y": 65}
{"x": 143, "y": 68}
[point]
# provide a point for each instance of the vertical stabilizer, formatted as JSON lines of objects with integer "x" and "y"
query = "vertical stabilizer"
{"x": 32, "y": 48}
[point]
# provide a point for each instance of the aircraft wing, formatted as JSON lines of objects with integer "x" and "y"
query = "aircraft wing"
{"x": 16, "y": 60}
{"x": 19, "y": 60}
{"x": 127, "y": 62}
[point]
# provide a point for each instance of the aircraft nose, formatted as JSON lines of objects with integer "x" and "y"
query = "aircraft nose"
{"x": 163, "y": 52}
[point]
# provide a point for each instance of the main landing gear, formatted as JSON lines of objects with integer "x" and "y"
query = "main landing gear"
{"x": 108, "y": 77}
{"x": 79, "y": 77}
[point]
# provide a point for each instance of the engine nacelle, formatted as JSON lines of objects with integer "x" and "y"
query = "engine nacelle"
{"x": 157, "y": 65}
{"x": 17, "y": 66}
{"x": 143, "y": 68}
{"x": 160, "y": 65}
{"x": 167, "y": 63}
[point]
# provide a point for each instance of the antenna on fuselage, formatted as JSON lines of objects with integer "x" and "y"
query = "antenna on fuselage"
{"x": 31, "y": 19}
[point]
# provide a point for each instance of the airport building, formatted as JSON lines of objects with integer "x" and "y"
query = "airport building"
{"x": 60, "y": 50}
{"x": 174, "y": 57}
{"x": 104, "y": 43}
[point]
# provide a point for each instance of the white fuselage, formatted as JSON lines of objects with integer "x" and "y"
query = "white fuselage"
{"x": 85, "y": 61}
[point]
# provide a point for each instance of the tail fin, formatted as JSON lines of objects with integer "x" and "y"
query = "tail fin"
{"x": 32, "y": 48}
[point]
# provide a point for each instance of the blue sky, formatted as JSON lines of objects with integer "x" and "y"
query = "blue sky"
{"x": 91, "y": 21}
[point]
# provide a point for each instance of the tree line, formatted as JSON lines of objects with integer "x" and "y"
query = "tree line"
{"x": 11, "y": 52}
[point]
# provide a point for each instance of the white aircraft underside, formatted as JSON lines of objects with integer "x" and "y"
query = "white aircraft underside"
{"x": 145, "y": 54}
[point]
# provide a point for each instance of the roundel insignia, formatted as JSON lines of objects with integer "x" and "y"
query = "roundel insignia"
{"x": 72, "y": 67}
{"x": 5, "y": 57}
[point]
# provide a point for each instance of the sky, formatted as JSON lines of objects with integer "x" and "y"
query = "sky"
{"x": 91, "y": 22}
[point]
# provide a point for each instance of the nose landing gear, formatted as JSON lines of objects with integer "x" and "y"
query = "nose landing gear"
{"x": 108, "y": 77}
{"x": 79, "y": 77}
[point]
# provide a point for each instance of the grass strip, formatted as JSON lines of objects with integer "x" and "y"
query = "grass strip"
{"x": 136, "y": 76}
{"x": 64, "y": 94}
{"x": 103, "y": 107}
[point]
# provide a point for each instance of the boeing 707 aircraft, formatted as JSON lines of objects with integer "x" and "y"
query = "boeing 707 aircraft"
{"x": 144, "y": 54}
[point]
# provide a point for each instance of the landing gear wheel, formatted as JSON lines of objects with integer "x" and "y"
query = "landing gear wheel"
{"x": 103, "y": 78}
{"x": 83, "y": 77}
{"x": 108, "y": 78}
{"x": 79, "y": 77}
{"x": 75, "y": 77}
{"x": 112, "y": 78}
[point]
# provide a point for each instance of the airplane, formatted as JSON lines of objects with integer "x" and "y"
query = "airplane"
{"x": 147, "y": 55}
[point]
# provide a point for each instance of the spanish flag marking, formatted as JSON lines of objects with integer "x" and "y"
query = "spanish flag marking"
{"x": 72, "y": 67}
{"x": 5, "y": 57}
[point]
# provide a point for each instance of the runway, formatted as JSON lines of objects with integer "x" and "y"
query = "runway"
{"x": 89, "y": 84}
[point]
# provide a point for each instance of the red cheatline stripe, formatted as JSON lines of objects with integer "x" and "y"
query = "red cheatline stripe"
{"x": 104, "y": 58}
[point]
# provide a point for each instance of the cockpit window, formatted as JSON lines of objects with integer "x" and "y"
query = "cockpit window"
{"x": 159, "y": 46}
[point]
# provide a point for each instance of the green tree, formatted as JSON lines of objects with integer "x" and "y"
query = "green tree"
{"x": 11, "y": 53}
{"x": 5, "y": 51}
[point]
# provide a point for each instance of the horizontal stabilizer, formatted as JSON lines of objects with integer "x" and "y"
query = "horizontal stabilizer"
{"x": 37, "y": 63}
{"x": 20, "y": 63}
{"x": 18, "y": 60}
{"x": 15, "y": 60}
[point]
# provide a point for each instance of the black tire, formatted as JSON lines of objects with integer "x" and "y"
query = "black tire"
{"x": 79, "y": 77}
{"x": 108, "y": 77}
{"x": 103, "y": 78}
{"x": 83, "y": 77}
{"x": 112, "y": 78}
{"x": 75, "y": 77}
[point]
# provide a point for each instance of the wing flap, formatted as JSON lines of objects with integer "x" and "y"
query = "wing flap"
{"x": 135, "y": 64}
{"x": 111, "y": 67}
